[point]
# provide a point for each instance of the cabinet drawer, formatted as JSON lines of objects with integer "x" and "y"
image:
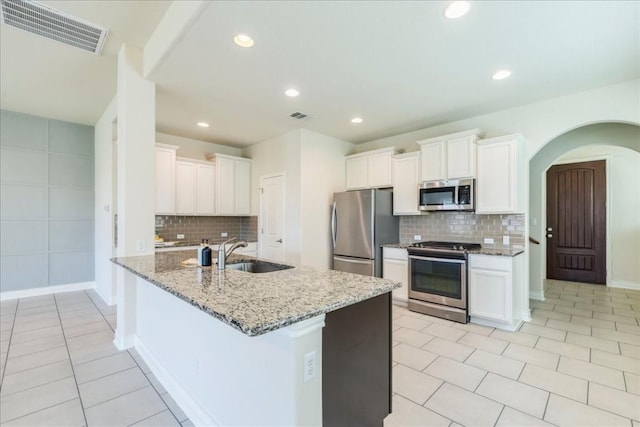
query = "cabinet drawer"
{"x": 490, "y": 262}
{"x": 395, "y": 253}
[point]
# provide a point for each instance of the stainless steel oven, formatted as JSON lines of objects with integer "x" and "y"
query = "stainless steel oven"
{"x": 438, "y": 279}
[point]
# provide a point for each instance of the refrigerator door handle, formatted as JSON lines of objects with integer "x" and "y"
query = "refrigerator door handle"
{"x": 353, "y": 261}
{"x": 333, "y": 224}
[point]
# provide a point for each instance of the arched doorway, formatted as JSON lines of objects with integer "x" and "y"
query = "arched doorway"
{"x": 601, "y": 135}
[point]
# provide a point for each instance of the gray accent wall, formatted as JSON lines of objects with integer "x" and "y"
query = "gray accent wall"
{"x": 46, "y": 203}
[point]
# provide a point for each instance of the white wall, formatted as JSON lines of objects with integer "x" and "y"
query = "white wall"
{"x": 104, "y": 203}
{"x": 322, "y": 174}
{"x": 195, "y": 149}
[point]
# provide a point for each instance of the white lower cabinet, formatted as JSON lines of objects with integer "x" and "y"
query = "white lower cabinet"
{"x": 395, "y": 266}
{"x": 496, "y": 291}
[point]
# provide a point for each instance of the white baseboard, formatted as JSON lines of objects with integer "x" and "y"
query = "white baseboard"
{"x": 624, "y": 285}
{"x": 108, "y": 299}
{"x": 538, "y": 296}
{"x": 47, "y": 290}
{"x": 191, "y": 408}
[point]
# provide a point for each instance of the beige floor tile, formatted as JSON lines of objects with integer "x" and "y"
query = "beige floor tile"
{"x": 624, "y": 337}
{"x": 511, "y": 418}
{"x": 567, "y": 412}
{"x": 446, "y": 332}
{"x": 555, "y": 382}
{"x": 174, "y": 408}
{"x": 90, "y": 339}
{"x": 537, "y": 320}
{"x": 67, "y": 414}
{"x": 563, "y": 348}
{"x": 23, "y": 327}
{"x": 92, "y": 352}
{"x": 410, "y": 356}
{"x": 616, "y": 401}
{"x": 482, "y": 342}
{"x": 161, "y": 390}
{"x": 164, "y": 419}
{"x": 595, "y": 308}
{"x": 550, "y": 314}
{"x": 500, "y": 365}
{"x": 593, "y": 342}
{"x": 35, "y": 377}
{"x": 89, "y": 328}
{"x": 632, "y": 382}
{"x": 569, "y": 326}
{"x": 589, "y": 321}
{"x": 630, "y": 350}
{"x": 574, "y": 311}
{"x": 478, "y": 410}
{"x": 106, "y": 388}
{"x": 42, "y": 344}
{"x": 514, "y": 394}
{"x": 408, "y": 414}
{"x": 411, "y": 323}
{"x": 615, "y": 318}
{"x": 449, "y": 349}
{"x": 38, "y": 398}
{"x": 414, "y": 385}
{"x": 515, "y": 337}
{"x": 561, "y": 302}
{"x": 631, "y": 329}
{"x": 119, "y": 411}
{"x": 592, "y": 372}
{"x": 476, "y": 329}
{"x": 456, "y": 373}
{"x": 543, "y": 331}
{"x": 99, "y": 368}
{"x": 530, "y": 355}
{"x": 37, "y": 334}
{"x": 624, "y": 363}
{"x": 627, "y": 312}
{"x": 411, "y": 337}
{"x": 34, "y": 360}
{"x": 544, "y": 305}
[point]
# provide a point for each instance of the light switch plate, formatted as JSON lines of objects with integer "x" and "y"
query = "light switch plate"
{"x": 180, "y": 236}
{"x": 505, "y": 240}
{"x": 488, "y": 240}
{"x": 417, "y": 237}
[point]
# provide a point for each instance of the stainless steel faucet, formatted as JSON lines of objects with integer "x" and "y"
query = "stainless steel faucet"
{"x": 223, "y": 253}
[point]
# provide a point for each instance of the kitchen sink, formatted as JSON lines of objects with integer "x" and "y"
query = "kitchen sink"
{"x": 257, "y": 266}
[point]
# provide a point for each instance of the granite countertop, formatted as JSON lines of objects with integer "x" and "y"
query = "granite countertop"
{"x": 255, "y": 303}
{"x": 485, "y": 250}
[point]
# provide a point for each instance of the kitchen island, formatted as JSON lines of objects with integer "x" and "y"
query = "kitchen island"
{"x": 290, "y": 347}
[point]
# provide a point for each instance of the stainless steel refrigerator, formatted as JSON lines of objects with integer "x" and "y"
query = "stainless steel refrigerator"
{"x": 362, "y": 221}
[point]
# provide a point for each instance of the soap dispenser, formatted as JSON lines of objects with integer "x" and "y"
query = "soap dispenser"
{"x": 206, "y": 256}
{"x": 200, "y": 249}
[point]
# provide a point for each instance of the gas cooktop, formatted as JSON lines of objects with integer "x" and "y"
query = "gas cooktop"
{"x": 449, "y": 246}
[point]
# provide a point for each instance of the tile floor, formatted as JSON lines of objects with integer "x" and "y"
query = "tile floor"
{"x": 577, "y": 363}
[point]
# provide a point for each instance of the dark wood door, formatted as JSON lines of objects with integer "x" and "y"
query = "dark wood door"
{"x": 576, "y": 222}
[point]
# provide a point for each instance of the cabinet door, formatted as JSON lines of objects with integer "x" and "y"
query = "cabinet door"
{"x": 490, "y": 294}
{"x": 461, "y": 158}
{"x": 356, "y": 172}
{"x": 186, "y": 179}
{"x": 205, "y": 189}
{"x": 405, "y": 185}
{"x": 496, "y": 175}
{"x": 379, "y": 170}
{"x": 165, "y": 202}
{"x": 243, "y": 187}
{"x": 225, "y": 186}
{"x": 398, "y": 271}
{"x": 432, "y": 159}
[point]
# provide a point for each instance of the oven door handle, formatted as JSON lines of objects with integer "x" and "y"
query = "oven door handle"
{"x": 448, "y": 260}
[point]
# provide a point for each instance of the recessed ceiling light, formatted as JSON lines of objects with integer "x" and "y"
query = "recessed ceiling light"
{"x": 203, "y": 124}
{"x": 292, "y": 93}
{"x": 502, "y": 74}
{"x": 457, "y": 9}
{"x": 356, "y": 120}
{"x": 243, "y": 40}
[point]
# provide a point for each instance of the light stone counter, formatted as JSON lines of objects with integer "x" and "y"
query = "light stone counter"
{"x": 255, "y": 303}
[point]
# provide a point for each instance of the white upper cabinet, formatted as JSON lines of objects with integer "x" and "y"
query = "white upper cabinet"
{"x": 499, "y": 175}
{"x": 186, "y": 179}
{"x": 205, "y": 180}
{"x": 450, "y": 156}
{"x": 165, "y": 190}
{"x": 405, "y": 177}
{"x": 233, "y": 185}
{"x": 371, "y": 169}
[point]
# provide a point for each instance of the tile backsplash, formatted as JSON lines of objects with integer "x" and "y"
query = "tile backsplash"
{"x": 196, "y": 228}
{"x": 464, "y": 227}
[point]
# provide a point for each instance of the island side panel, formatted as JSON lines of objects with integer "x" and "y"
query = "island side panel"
{"x": 356, "y": 355}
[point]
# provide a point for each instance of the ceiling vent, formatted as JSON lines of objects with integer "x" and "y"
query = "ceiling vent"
{"x": 55, "y": 25}
{"x": 298, "y": 115}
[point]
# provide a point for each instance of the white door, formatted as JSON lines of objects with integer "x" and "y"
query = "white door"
{"x": 271, "y": 219}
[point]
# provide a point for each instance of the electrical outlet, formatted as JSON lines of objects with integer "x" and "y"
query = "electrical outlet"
{"x": 417, "y": 237}
{"x": 488, "y": 240}
{"x": 140, "y": 246}
{"x": 180, "y": 236}
{"x": 309, "y": 366}
{"x": 505, "y": 240}
{"x": 224, "y": 234}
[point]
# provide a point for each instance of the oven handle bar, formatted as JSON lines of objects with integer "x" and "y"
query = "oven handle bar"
{"x": 452, "y": 261}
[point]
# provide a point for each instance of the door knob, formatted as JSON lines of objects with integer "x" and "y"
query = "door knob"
{"x": 549, "y": 235}
{"x": 279, "y": 241}
{"x": 549, "y": 229}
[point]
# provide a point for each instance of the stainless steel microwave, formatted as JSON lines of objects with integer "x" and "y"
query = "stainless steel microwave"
{"x": 447, "y": 195}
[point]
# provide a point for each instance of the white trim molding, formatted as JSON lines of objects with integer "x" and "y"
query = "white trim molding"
{"x": 624, "y": 285}
{"x": 538, "y": 296}
{"x": 46, "y": 290}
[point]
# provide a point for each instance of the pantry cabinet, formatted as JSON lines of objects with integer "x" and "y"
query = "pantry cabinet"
{"x": 232, "y": 185}
{"x": 495, "y": 290}
{"x": 371, "y": 169}
{"x": 405, "y": 178}
{"x": 395, "y": 266}
{"x": 450, "y": 156}
{"x": 165, "y": 175}
{"x": 499, "y": 175}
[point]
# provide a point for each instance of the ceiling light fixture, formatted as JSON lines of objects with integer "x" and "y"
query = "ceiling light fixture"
{"x": 457, "y": 9}
{"x": 356, "y": 120}
{"x": 292, "y": 93}
{"x": 502, "y": 74}
{"x": 203, "y": 124}
{"x": 243, "y": 40}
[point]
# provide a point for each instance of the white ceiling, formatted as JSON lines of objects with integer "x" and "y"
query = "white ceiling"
{"x": 399, "y": 65}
